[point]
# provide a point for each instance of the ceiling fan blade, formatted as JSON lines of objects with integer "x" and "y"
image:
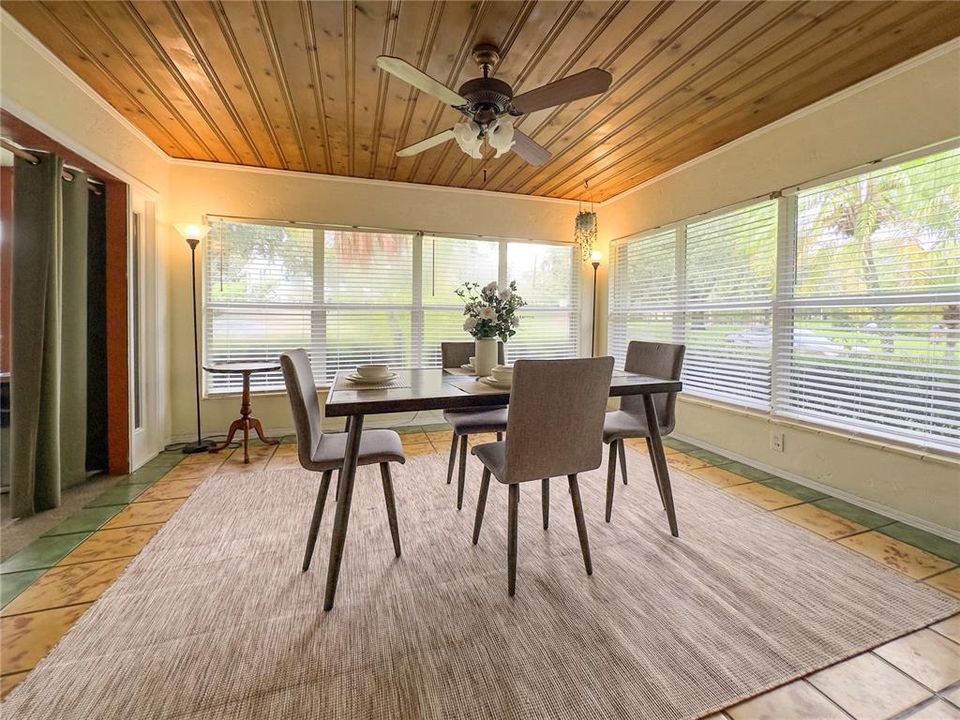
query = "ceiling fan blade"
{"x": 584, "y": 84}
{"x": 420, "y": 80}
{"x": 430, "y": 142}
{"x": 530, "y": 150}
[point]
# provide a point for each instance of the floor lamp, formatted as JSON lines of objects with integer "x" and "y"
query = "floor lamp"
{"x": 193, "y": 234}
{"x": 595, "y": 261}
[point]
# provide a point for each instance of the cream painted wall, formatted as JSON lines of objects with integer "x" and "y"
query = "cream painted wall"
{"x": 202, "y": 188}
{"x": 894, "y": 113}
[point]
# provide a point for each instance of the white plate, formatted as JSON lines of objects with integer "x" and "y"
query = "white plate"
{"x": 495, "y": 383}
{"x": 467, "y": 366}
{"x": 371, "y": 381}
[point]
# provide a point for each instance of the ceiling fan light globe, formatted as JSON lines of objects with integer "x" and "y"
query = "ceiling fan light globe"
{"x": 501, "y": 137}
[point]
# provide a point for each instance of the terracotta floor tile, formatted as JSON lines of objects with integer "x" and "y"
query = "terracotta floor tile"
{"x": 820, "y": 521}
{"x": 191, "y": 472}
{"x": 907, "y": 559}
{"x": 9, "y": 682}
{"x": 760, "y": 495}
{"x": 796, "y": 701}
{"x": 204, "y": 458}
{"x": 283, "y": 462}
{"x": 926, "y": 656}
{"x": 938, "y": 710}
{"x": 25, "y": 639}
{"x": 145, "y": 513}
{"x": 868, "y": 688}
{"x": 418, "y": 438}
{"x": 718, "y": 477}
{"x": 108, "y": 544}
{"x": 949, "y": 628}
{"x": 948, "y": 582}
{"x": 680, "y": 461}
{"x": 170, "y": 490}
{"x": 415, "y": 449}
{"x": 67, "y": 585}
{"x": 441, "y": 438}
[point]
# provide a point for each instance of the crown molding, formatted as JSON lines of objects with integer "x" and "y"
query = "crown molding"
{"x": 839, "y": 96}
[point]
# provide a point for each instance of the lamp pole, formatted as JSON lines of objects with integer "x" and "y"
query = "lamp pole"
{"x": 593, "y": 322}
{"x": 193, "y": 234}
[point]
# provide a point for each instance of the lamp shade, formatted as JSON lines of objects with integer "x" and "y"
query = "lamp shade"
{"x": 595, "y": 256}
{"x": 191, "y": 231}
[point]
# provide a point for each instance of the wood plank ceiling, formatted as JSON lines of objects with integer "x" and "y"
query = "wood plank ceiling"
{"x": 293, "y": 85}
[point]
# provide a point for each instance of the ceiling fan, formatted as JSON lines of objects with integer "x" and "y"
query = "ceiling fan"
{"x": 489, "y": 105}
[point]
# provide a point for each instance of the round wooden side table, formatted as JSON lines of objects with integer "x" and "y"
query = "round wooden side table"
{"x": 246, "y": 421}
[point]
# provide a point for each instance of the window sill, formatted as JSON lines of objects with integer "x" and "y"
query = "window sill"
{"x": 878, "y": 443}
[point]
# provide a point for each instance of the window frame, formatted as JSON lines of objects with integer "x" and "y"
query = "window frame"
{"x": 417, "y": 308}
{"x": 784, "y": 302}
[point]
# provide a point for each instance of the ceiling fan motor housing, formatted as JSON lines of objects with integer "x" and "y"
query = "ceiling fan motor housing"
{"x": 488, "y": 98}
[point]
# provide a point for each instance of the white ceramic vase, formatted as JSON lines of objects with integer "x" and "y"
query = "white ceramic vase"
{"x": 486, "y": 354}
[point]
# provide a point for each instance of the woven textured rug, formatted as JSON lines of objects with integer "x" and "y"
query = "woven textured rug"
{"x": 215, "y": 620}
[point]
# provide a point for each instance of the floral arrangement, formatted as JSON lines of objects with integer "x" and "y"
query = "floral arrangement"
{"x": 491, "y": 313}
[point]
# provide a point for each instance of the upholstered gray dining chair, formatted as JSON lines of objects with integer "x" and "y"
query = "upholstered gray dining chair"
{"x": 324, "y": 452}
{"x": 659, "y": 360}
{"x": 468, "y": 422}
{"x": 555, "y": 427}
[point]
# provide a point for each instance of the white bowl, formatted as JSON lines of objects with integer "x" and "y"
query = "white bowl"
{"x": 502, "y": 373}
{"x": 371, "y": 372}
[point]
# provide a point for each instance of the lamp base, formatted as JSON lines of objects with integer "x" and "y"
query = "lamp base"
{"x": 202, "y": 446}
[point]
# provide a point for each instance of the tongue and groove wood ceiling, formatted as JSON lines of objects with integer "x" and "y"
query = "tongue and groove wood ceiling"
{"x": 293, "y": 85}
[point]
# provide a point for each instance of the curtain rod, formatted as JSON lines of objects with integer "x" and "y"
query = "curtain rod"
{"x": 34, "y": 160}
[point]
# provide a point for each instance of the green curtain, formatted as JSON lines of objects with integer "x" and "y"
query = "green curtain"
{"x": 48, "y": 348}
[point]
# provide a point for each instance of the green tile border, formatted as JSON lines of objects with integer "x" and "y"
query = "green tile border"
{"x": 119, "y": 495}
{"x": 713, "y": 458}
{"x": 42, "y": 553}
{"x": 751, "y": 473}
{"x": 86, "y": 519}
{"x": 924, "y": 540}
{"x": 12, "y": 584}
{"x": 801, "y": 492}
{"x": 857, "y": 514}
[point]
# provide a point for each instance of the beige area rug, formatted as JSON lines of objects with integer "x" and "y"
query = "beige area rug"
{"x": 214, "y": 619}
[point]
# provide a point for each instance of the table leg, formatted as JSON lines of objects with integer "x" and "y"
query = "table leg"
{"x": 342, "y": 517}
{"x": 245, "y": 416}
{"x": 660, "y": 462}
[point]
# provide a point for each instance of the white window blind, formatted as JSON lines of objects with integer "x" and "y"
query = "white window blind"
{"x": 872, "y": 320}
{"x": 861, "y": 328}
{"x": 709, "y": 285}
{"x": 352, "y": 297}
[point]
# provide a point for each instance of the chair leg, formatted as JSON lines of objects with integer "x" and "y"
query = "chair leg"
{"x": 391, "y": 505}
{"x": 656, "y": 473}
{"x": 462, "y": 475}
{"x": 317, "y": 516}
{"x": 512, "y": 511}
{"x": 611, "y": 477}
{"x": 545, "y": 501}
{"x": 581, "y": 524}
{"x": 623, "y": 460}
{"x": 481, "y": 504}
{"x": 452, "y": 462}
{"x": 336, "y": 493}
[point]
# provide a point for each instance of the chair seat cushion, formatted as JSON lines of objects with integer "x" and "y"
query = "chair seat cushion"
{"x": 494, "y": 457}
{"x": 619, "y": 424}
{"x": 468, "y": 422}
{"x": 376, "y": 446}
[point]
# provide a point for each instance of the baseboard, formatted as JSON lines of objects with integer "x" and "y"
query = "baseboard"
{"x": 898, "y": 515}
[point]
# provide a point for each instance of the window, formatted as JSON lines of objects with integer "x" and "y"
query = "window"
{"x": 708, "y": 284}
{"x": 352, "y": 297}
{"x": 854, "y": 323}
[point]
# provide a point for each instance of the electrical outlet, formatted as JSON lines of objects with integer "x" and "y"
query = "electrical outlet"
{"x": 776, "y": 441}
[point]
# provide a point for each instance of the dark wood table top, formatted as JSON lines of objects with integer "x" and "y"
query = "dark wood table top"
{"x": 435, "y": 389}
{"x": 240, "y": 366}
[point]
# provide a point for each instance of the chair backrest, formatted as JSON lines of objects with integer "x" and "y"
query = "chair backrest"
{"x": 455, "y": 354}
{"x": 302, "y": 391}
{"x": 659, "y": 360}
{"x": 555, "y": 425}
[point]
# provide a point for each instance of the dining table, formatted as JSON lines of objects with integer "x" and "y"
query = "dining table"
{"x": 423, "y": 389}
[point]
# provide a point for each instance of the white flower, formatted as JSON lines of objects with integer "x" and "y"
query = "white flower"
{"x": 469, "y": 324}
{"x": 506, "y": 293}
{"x": 490, "y": 287}
{"x": 514, "y": 321}
{"x": 488, "y": 313}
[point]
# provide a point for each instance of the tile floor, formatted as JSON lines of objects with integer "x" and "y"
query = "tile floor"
{"x": 51, "y": 582}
